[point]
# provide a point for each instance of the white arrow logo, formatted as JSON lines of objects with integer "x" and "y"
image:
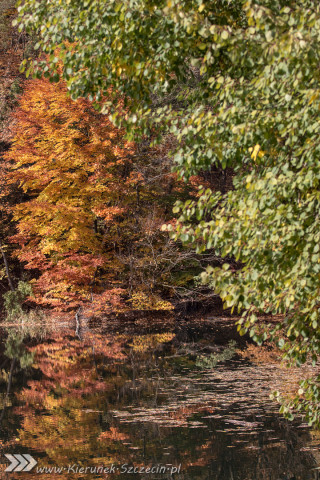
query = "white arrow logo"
{"x": 20, "y": 463}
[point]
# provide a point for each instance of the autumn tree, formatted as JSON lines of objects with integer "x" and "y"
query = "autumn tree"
{"x": 74, "y": 167}
{"x": 72, "y": 163}
{"x": 92, "y": 204}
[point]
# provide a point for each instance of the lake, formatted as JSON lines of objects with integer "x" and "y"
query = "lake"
{"x": 176, "y": 401}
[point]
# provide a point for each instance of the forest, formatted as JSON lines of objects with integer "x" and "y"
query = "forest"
{"x": 159, "y": 163}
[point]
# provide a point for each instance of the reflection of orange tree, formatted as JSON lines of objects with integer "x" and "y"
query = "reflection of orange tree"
{"x": 67, "y": 418}
{"x": 65, "y": 413}
{"x": 143, "y": 343}
{"x": 69, "y": 396}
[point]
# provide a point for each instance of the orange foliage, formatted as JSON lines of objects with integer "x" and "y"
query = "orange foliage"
{"x": 91, "y": 206}
{"x": 72, "y": 163}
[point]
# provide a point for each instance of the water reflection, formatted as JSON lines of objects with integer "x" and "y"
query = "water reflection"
{"x": 140, "y": 400}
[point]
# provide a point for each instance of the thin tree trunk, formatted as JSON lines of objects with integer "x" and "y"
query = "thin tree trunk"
{"x": 78, "y": 325}
{"x": 6, "y": 267}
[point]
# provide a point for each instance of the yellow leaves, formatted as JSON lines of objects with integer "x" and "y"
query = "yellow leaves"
{"x": 313, "y": 98}
{"x": 51, "y": 403}
{"x": 143, "y": 343}
{"x": 142, "y": 301}
{"x": 256, "y": 152}
{"x": 49, "y": 247}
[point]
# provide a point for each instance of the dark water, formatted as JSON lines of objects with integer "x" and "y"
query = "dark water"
{"x": 122, "y": 400}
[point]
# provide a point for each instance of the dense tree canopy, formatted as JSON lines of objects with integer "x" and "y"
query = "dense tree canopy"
{"x": 70, "y": 162}
{"x": 91, "y": 205}
{"x": 237, "y": 83}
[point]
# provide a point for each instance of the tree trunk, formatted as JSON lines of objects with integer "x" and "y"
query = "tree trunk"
{"x": 6, "y": 267}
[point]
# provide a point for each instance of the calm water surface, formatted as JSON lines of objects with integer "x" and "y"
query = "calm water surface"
{"x": 122, "y": 400}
